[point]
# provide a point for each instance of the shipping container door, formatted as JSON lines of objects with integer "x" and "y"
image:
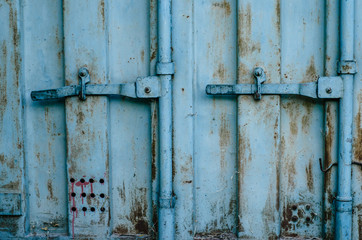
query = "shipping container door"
{"x": 242, "y": 169}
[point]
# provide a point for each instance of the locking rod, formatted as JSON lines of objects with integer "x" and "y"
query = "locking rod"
{"x": 324, "y": 88}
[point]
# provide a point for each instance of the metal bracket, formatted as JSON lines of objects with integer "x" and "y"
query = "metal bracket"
{"x": 167, "y": 202}
{"x": 165, "y": 68}
{"x": 144, "y": 87}
{"x": 324, "y": 88}
{"x": 347, "y": 67}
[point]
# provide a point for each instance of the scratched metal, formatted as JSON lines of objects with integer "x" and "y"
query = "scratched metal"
{"x": 240, "y": 167}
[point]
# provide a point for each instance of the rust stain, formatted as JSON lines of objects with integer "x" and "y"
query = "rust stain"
{"x": 220, "y": 73}
{"x": 3, "y": 82}
{"x": 154, "y": 52}
{"x": 154, "y": 144}
{"x": 277, "y": 10}
{"x": 287, "y": 215}
{"x": 277, "y": 197}
{"x": 357, "y": 144}
{"x": 311, "y": 72}
{"x": 143, "y": 55}
{"x": 101, "y": 10}
{"x": 120, "y": 229}
{"x": 2, "y": 159}
{"x": 310, "y": 179}
{"x": 223, "y": 5}
{"x": 11, "y": 185}
{"x": 329, "y": 140}
{"x": 138, "y": 215}
{"x": 224, "y": 138}
{"x": 246, "y": 45}
{"x": 290, "y": 164}
{"x": 50, "y": 189}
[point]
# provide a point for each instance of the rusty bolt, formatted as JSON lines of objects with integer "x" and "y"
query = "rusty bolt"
{"x": 294, "y": 218}
{"x": 329, "y": 90}
{"x": 83, "y": 73}
{"x": 258, "y": 72}
{"x": 147, "y": 90}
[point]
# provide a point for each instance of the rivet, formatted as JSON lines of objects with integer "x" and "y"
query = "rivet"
{"x": 294, "y": 207}
{"x": 74, "y": 209}
{"x": 308, "y": 219}
{"x": 84, "y": 209}
{"x": 92, "y": 195}
{"x": 72, "y": 180}
{"x": 73, "y": 194}
{"x": 307, "y": 207}
{"x": 84, "y": 194}
{"x": 82, "y": 180}
{"x": 101, "y": 195}
{"x": 91, "y": 180}
{"x": 294, "y": 218}
{"x": 92, "y": 209}
{"x": 103, "y": 209}
{"x": 101, "y": 180}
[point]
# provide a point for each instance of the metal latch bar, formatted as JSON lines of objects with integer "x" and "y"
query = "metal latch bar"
{"x": 144, "y": 87}
{"x": 324, "y": 88}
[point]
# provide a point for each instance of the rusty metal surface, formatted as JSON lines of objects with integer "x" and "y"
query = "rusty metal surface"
{"x": 357, "y": 132}
{"x": 259, "y": 124}
{"x": 241, "y": 169}
{"x": 11, "y": 113}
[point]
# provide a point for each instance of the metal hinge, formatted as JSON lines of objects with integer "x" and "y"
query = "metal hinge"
{"x": 324, "y": 88}
{"x": 144, "y": 87}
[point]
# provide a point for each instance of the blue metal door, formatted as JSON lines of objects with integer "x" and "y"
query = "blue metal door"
{"x": 124, "y": 152}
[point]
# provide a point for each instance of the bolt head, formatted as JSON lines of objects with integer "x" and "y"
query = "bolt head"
{"x": 258, "y": 72}
{"x": 147, "y": 90}
{"x": 83, "y": 72}
{"x": 294, "y": 218}
{"x": 329, "y": 90}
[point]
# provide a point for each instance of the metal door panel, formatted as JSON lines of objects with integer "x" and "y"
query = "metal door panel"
{"x": 130, "y": 121}
{"x": 301, "y": 120}
{"x": 241, "y": 167}
{"x": 184, "y": 117}
{"x": 11, "y": 121}
{"x": 45, "y": 123}
{"x": 214, "y": 124}
{"x": 258, "y": 122}
{"x": 85, "y": 45}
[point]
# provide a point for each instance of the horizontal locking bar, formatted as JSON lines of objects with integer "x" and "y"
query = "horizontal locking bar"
{"x": 324, "y": 88}
{"x": 144, "y": 87}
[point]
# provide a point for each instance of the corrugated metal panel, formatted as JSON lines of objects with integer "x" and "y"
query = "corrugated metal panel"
{"x": 240, "y": 168}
